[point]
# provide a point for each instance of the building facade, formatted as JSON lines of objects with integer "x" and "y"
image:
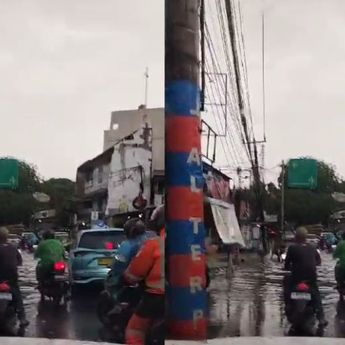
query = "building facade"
{"x": 129, "y": 174}
{"x": 92, "y": 186}
{"x": 125, "y": 122}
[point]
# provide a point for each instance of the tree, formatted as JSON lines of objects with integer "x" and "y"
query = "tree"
{"x": 61, "y": 192}
{"x": 306, "y": 206}
{"x": 19, "y": 205}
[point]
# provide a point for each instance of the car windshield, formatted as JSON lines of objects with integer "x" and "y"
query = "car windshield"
{"x": 101, "y": 239}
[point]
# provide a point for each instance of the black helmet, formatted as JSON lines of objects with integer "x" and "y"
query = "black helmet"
{"x": 134, "y": 227}
{"x": 3, "y": 234}
{"x": 157, "y": 220}
{"x": 48, "y": 235}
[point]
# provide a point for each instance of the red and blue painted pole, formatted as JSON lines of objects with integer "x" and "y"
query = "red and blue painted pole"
{"x": 184, "y": 178}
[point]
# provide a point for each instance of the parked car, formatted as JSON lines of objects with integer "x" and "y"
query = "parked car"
{"x": 92, "y": 256}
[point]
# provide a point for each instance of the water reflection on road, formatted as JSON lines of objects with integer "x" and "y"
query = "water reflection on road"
{"x": 251, "y": 302}
{"x": 248, "y": 304}
{"x": 78, "y": 321}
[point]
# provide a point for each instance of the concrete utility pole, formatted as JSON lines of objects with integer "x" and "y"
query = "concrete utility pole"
{"x": 184, "y": 179}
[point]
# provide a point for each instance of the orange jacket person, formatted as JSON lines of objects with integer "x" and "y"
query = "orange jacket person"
{"x": 148, "y": 266}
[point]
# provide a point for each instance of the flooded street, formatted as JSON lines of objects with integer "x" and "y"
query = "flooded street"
{"x": 77, "y": 321}
{"x": 251, "y": 303}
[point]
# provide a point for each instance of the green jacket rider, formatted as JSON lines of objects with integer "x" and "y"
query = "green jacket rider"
{"x": 49, "y": 252}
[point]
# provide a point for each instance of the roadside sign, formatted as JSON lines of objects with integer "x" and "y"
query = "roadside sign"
{"x": 9, "y": 173}
{"x": 303, "y": 174}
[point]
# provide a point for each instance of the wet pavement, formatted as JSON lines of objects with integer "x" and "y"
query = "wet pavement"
{"x": 251, "y": 302}
{"x": 248, "y": 304}
{"x": 78, "y": 321}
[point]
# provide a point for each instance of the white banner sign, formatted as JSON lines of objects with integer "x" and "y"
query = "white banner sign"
{"x": 226, "y": 222}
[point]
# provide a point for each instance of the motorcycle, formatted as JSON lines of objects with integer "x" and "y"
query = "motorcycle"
{"x": 55, "y": 286}
{"x": 340, "y": 279}
{"x": 300, "y": 309}
{"x": 114, "y": 312}
{"x": 283, "y": 256}
{"x": 8, "y": 316}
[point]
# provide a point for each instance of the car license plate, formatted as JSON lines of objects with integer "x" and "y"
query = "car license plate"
{"x": 301, "y": 296}
{"x": 5, "y": 296}
{"x": 105, "y": 261}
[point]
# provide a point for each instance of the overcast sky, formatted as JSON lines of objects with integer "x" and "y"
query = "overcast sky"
{"x": 64, "y": 66}
{"x": 305, "y": 76}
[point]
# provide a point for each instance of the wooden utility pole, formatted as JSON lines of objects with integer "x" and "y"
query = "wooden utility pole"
{"x": 187, "y": 308}
{"x": 258, "y": 213}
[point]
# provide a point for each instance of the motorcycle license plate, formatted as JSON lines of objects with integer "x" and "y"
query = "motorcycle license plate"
{"x": 60, "y": 278}
{"x": 4, "y": 296}
{"x": 105, "y": 262}
{"x": 301, "y": 296}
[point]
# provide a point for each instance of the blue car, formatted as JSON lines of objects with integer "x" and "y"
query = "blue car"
{"x": 92, "y": 255}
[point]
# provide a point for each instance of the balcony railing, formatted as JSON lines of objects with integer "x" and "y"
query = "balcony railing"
{"x": 94, "y": 186}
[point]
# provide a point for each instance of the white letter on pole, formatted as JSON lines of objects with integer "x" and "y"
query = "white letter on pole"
{"x": 197, "y": 315}
{"x": 194, "y": 156}
{"x": 196, "y": 222}
{"x": 194, "y": 188}
{"x": 195, "y": 284}
{"x": 196, "y": 252}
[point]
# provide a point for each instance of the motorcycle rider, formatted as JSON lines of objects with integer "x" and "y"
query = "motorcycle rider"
{"x": 302, "y": 260}
{"x": 148, "y": 266}
{"x": 10, "y": 259}
{"x": 340, "y": 255}
{"x": 136, "y": 234}
{"x": 49, "y": 251}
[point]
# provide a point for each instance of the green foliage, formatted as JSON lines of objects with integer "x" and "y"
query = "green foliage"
{"x": 305, "y": 206}
{"x": 61, "y": 192}
{"x": 19, "y": 206}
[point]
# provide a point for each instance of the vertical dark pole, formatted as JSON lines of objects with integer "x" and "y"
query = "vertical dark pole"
{"x": 184, "y": 179}
{"x": 258, "y": 214}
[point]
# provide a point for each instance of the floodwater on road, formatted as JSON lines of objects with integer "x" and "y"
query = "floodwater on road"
{"x": 78, "y": 321}
{"x": 248, "y": 304}
{"x": 251, "y": 302}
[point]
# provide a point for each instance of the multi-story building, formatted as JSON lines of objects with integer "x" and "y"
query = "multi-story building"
{"x": 130, "y": 171}
{"x": 125, "y": 122}
{"x": 92, "y": 186}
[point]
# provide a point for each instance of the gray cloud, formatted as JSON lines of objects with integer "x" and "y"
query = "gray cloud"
{"x": 65, "y": 65}
{"x": 305, "y": 74}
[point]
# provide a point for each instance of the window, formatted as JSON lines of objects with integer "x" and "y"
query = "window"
{"x": 99, "y": 239}
{"x": 100, "y": 174}
{"x": 89, "y": 177}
